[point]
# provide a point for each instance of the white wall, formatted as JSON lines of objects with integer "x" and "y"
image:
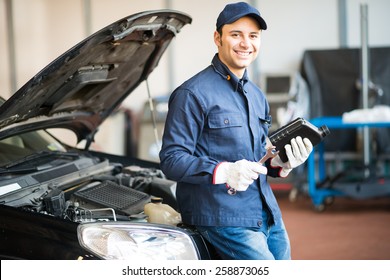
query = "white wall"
{"x": 46, "y": 28}
{"x": 303, "y": 24}
{"x": 378, "y": 22}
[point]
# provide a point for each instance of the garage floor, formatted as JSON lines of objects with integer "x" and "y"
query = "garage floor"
{"x": 347, "y": 230}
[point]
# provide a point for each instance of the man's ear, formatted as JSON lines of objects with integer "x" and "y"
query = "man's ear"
{"x": 217, "y": 39}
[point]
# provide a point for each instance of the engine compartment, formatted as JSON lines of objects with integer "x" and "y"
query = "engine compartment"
{"x": 89, "y": 189}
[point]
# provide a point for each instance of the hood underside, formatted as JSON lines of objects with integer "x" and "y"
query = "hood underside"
{"x": 82, "y": 87}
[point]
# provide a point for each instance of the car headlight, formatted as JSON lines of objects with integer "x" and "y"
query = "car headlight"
{"x": 136, "y": 241}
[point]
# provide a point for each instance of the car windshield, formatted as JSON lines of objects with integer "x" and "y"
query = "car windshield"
{"x": 17, "y": 147}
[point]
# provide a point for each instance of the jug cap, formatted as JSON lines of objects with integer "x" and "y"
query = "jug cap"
{"x": 156, "y": 199}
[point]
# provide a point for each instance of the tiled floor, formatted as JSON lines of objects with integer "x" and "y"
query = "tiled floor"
{"x": 347, "y": 230}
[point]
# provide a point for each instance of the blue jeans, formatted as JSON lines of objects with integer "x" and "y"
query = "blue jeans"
{"x": 239, "y": 243}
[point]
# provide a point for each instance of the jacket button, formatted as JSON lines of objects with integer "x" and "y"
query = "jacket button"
{"x": 226, "y": 121}
{"x": 259, "y": 223}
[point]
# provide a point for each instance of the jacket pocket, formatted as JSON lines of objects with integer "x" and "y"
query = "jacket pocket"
{"x": 217, "y": 121}
{"x": 227, "y": 136}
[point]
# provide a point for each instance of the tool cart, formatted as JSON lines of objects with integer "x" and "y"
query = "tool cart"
{"x": 366, "y": 184}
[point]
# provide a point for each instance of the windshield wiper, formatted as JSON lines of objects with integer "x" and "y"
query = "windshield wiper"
{"x": 42, "y": 154}
{"x": 24, "y": 170}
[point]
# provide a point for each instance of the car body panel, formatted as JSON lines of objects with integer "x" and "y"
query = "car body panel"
{"x": 27, "y": 235}
{"x": 82, "y": 87}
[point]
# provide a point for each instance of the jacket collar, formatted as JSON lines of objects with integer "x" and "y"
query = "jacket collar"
{"x": 224, "y": 71}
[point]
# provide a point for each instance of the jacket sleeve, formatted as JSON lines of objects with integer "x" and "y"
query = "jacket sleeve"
{"x": 178, "y": 156}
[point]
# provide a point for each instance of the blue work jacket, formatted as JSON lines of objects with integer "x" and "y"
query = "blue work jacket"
{"x": 215, "y": 117}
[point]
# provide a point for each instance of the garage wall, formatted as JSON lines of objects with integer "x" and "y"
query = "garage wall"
{"x": 46, "y": 28}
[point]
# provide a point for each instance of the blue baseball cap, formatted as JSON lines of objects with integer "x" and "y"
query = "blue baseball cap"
{"x": 235, "y": 11}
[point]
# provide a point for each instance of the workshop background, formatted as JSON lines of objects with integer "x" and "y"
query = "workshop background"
{"x": 34, "y": 32}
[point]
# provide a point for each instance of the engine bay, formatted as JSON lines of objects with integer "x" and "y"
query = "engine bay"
{"x": 88, "y": 189}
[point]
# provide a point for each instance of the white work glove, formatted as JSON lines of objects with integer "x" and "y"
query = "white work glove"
{"x": 238, "y": 175}
{"x": 297, "y": 153}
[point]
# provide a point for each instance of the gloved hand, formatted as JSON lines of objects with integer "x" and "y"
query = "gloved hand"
{"x": 238, "y": 175}
{"x": 297, "y": 153}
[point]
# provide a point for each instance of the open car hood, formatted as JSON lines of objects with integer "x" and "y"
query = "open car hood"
{"x": 82, "y": 87}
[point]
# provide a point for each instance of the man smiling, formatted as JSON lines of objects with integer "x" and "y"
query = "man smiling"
{"x": 237, "y": 48}
{"x": 215, "y": 134}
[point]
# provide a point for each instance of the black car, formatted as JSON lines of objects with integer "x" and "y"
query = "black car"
{"x": 61, "y": 202}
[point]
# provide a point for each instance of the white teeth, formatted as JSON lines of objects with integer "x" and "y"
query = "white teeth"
{"x": 243, "y": 53}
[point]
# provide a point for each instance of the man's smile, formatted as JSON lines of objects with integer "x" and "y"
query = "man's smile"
{"x": 243, "y": 53}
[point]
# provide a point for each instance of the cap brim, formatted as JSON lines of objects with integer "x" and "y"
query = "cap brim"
{"x": 259, "y": 19}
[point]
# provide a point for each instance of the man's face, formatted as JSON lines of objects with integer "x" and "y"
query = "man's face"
{"x": 239, "y": 44}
